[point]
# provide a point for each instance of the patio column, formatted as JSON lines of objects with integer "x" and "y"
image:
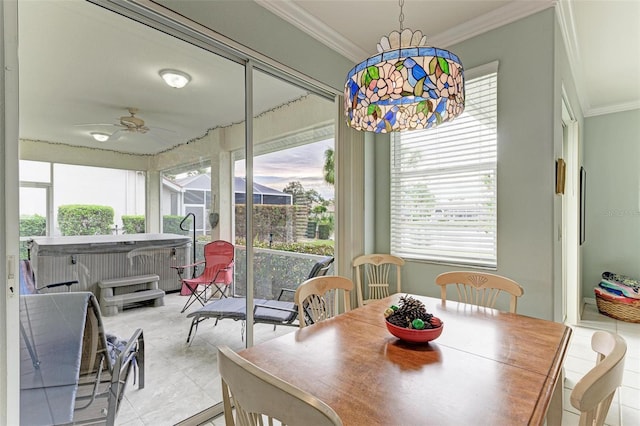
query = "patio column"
{"x": 221, "y": 186}
{"x": 152, "y": 208}
{"x": 351, "y": 218}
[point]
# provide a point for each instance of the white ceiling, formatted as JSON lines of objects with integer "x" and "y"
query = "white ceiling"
{"x": 104, "y": 63}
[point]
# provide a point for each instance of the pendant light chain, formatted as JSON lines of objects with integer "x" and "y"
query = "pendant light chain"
{"x": 401, "y": 17}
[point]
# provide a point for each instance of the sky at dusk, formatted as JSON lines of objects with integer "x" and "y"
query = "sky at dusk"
{"x": 303, "y": 164}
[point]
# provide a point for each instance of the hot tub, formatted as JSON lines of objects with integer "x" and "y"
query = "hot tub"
{"x": 91, "y": 258}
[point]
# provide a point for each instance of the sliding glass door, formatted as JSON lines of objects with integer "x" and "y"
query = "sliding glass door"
{"x": 290, "y": 195}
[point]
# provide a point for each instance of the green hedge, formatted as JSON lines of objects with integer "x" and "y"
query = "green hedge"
{"x": 278, "y": 222}
{"x": 79, "y": 219}
{"x": 133, "y": 224}
{"x": 31, "y": 226}
{"x": 171, "y": 224}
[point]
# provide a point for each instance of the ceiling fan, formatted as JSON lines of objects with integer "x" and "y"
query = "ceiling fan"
{"x": 127, "y": 123}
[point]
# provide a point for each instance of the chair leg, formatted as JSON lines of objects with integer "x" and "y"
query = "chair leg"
{"x": 195, "y": 323}
{"x": 195, "y": 296}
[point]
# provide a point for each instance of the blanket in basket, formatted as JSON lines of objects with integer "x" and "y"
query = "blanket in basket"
{"x": 620, "y": 285}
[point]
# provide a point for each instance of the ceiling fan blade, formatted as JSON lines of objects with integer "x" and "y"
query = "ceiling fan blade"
{"x": 162, "y": 129}
{"x": 96, "y": 124}
{"x": 117, "y": 135}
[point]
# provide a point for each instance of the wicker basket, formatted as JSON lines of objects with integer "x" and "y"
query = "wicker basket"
{"x": 629, "y": 312}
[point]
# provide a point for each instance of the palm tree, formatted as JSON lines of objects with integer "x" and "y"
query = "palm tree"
{"x": 329, "y": 166}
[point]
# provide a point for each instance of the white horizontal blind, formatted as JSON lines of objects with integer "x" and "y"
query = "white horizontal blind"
{"x": 443, "y": 185}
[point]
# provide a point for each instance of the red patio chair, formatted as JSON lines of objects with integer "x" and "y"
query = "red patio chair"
{"x": 217, "y": 274}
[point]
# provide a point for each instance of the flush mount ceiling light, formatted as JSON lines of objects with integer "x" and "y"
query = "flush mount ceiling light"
{"x": 100, "y": 137}
{"x": 175, "y": 78}
{"x": 407, "y": 85}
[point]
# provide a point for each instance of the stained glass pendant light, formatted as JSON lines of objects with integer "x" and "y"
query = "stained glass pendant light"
{"x": 407, "y": 85}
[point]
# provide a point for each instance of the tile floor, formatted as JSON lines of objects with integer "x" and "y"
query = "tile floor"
{"x": 182, "y": 380}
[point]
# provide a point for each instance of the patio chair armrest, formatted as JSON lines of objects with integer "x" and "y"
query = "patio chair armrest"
{"x": 54, "y": 285}
{"x": 132, "y": 356}
{"x": 282, "y": 290}
{"x": 198, "y": 263}
{"x": 277, "y": 308}
{"x": 135, "y": 349}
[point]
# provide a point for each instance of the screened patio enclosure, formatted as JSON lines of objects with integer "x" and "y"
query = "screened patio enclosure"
{"x": 195, "y": 160}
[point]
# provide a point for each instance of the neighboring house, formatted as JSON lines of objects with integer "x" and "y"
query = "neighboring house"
{"x": 192, "y": 194}
{"x": 261, "y": 194}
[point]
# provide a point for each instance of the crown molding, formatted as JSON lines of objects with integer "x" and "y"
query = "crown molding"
{"x": 298, "y": 17}
{"x": 504, "y": 15}
{"x": 511, "y": 12}
{"x": 564, "y": 15}
{"x": 611, "y": 109}
{"x": 301, "y": 19}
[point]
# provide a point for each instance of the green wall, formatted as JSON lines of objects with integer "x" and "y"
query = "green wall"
{"x": 525, "y": 51}
{"x": 611, "y": 159}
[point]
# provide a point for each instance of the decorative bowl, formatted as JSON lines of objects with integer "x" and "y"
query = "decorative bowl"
{"x": 413, "y": 335}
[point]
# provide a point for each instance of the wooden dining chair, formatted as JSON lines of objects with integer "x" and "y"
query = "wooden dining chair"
{"x": 318, "y": 298}
{"x": 372, "y": 276}
{"x": 480, "y": 288}
{"x": 256, "y": 397}
{"x": 592, "y": 395}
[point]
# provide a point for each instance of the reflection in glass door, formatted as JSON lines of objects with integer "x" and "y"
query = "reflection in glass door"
{"x": 292, "y": 191}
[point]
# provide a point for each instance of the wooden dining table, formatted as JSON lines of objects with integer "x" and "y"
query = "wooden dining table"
{"x": 486, "y": 368}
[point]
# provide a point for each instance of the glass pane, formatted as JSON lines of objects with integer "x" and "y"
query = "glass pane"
{"x": 116, "y": 196}
{"x": 186, "y": 195}
{"x": 35, "y": 171}
{"x": 293, "y": 135}
{"x": 33, "y": 216}
{"x": 181, "y": 379}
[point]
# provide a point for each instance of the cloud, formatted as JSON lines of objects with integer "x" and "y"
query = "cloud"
{"x": 303, "y": 164}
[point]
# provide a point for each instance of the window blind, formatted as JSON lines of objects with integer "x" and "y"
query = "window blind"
{"x": 444, "y": 186}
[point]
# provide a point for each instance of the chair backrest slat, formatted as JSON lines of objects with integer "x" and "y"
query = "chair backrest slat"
{"x": 373, "y": 273}
{"x": 480, "y": 288}
{"x": 317, "y": 298}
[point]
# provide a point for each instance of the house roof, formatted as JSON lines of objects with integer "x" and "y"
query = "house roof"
{"x": 239, "y": 185}
{"x": 200, "y": 181}
{"x": 203, "y": 181}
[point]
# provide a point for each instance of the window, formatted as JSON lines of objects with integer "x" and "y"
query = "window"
{"x": 444, "y": 186}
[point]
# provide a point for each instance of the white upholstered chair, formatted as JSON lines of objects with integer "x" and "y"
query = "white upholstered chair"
{"x": 252, "y": 396}
{"x": 372, "y": 276}
{"x": 592, "y": 395}
{"x": 480, "y": 288}
{"x": 318, "y": 298}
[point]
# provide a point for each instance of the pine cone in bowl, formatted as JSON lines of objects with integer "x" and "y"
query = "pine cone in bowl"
{"x": 410, "y": 321}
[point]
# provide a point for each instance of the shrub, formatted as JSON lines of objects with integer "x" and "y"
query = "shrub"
{"x": 133, "y": 224}
{"x": 78, "y": 219}
{"x": 31, "y": 226}
{"x": 319, "y": 248}
{"x": 171, "y": 224}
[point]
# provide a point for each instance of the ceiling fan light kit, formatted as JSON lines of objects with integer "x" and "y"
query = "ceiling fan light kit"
{"x": 174, "y": 78}
{"x": 100, "y": 137}
{"x": 407, "y": 85}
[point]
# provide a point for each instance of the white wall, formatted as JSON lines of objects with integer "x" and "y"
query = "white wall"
{"x": 611, "y": 160}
